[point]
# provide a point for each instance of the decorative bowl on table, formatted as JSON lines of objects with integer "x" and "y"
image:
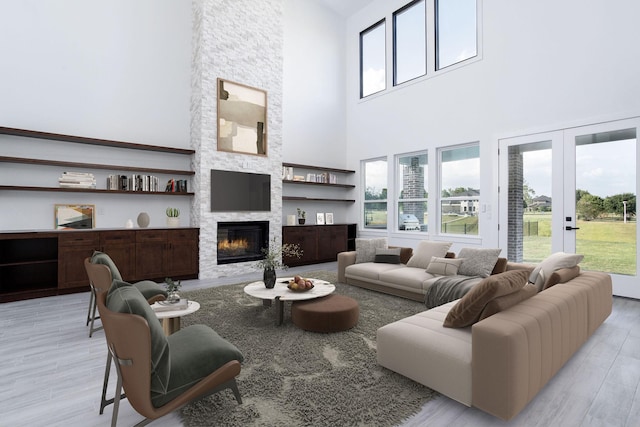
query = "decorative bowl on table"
{"x": 298, "y": 284}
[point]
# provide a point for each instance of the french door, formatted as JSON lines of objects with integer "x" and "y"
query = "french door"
{"x": 574, "y": 190}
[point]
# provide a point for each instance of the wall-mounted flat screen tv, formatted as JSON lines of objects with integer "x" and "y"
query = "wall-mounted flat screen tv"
{"x": 240, "y": 191}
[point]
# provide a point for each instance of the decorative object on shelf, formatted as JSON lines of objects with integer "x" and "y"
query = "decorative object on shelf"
{"x": 273, "y": 260}
{"x": 320, "y": 218}
{"x": 173, "y": 219}
{"x": 74, "y": 217}
{"x": 242, "y": 118}
{"x": 129, "y": 223}
{"x": 329, "y": 218}
{"x": 301, "y": 216}
{"x": 143, "y": 220}
{"x": 172, "y": 289}
{"x": 291, "y": 220}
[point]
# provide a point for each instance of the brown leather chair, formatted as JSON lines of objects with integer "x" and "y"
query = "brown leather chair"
{"x": 154, "y": 383}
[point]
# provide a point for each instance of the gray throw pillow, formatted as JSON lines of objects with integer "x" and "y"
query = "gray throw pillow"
{"x": 366, "y": 248}
{"x": 478, "y": 262}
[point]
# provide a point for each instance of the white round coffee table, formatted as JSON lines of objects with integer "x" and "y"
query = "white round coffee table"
{"x": 171, "y": 318}
{"x": 280, "y": 292}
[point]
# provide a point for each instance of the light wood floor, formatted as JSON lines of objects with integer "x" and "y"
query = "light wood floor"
{"x": 51, "y": 372}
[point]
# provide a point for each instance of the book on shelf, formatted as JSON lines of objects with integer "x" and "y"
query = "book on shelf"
{"x": 77, "y": 180}
{"x": 176, "y": 186}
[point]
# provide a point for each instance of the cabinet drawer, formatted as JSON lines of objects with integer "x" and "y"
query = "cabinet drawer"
{"x": 151, "y": 236}
{"x": 183, "y": 234}
{"x": 117, "y": 237}
{"x": 82, "y": 238}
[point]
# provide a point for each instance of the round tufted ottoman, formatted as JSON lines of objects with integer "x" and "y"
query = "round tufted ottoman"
{"x": 332, "y": 313}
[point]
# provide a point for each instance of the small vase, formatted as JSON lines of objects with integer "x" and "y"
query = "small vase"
{"x": 173, "y": 222}
{"x": 301, "y": 221}
{"x": 143, "y": 220}
{"x": 173, "y": 297}
{"x": 269, "y": 278}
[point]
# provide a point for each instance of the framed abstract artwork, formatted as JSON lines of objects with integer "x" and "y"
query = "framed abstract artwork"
{"x": 74, "y": 217}
{"x": 242, "y": 118}
{"x": 320, "y": 218}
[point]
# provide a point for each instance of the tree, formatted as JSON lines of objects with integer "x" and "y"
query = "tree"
{"x": 528, "y": 194}
{"x": 614, "y": 204}
{"x": 371, "y": 194}
{"x": 590, "y": 207}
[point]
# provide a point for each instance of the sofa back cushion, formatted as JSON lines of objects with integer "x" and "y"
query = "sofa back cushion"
{"x": 478, "y": 262}
{"x": 550, "y": 264}
{"x": 496, "y": 305}
{"x": 425, "y": 251}
{"x": 366, "y": 248}
{"x": 387, "y": 256}
{"x": 469, "y": 308}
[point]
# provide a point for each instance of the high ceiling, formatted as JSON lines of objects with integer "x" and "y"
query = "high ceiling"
{"x": 346, "y": 7}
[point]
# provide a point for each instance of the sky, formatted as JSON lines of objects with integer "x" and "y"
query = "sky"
{"x": 603, "y": 169}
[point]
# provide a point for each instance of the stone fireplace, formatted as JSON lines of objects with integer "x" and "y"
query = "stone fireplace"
{"x": 242, "y": 241}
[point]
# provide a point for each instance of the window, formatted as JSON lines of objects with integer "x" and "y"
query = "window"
{"x": 456, "y": 32}
{"x": 459, "y": 189}
{"x": 411, "y": 181}
{"x": 375, "y": 193}
{"x": 372, "y": 59}
{"x": 409, "y": 42}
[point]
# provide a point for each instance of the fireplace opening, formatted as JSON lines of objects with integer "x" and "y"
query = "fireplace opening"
{"x": 242, "y": 241}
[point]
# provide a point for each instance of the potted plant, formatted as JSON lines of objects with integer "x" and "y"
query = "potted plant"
{"x": 173, "y": 215}
{"x": 301, "y": 216}
{"x": 273, "y": 260}
{"x": 172, "y": 289}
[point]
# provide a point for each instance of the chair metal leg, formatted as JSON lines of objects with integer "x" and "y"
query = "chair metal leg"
{"x": 104, "y": 402}
{"x": 92, "y": 312}
{"x": 118, "y": 394}
{"x": 92, "y": 302}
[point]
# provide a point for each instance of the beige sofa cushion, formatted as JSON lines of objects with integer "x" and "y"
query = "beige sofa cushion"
{"x": 468, "y": 309}
{"x": 410, "y": 277}
{"x": 420, "y": 348}
{"x": 552, "y": 263}
{"x": 444, "y": 266}
{"x": 370, "y": 270}
{"x": 426, "y": 249}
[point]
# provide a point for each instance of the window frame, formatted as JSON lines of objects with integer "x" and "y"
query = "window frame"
{"x": 436, "y": 35}
{"x": 363, "y": 169}
{"x": 362, "y": 34}
{"x": 395, "y": 41}
{"x": 397, "y": 189}
{"x": 439, "y": 223}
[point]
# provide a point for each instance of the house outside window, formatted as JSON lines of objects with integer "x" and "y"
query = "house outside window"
{"x": 373, "y": 59}
{"x": 411, "y": 192}
{"x": 375, "y": 193}
{"x": 459, "y": 189}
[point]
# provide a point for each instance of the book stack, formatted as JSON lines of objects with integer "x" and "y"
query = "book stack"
{"x": 77, "y": 180}
{"x": 161, "y": 306}
{"x": 134, "y": 182}
{"x": 176, "y": 186}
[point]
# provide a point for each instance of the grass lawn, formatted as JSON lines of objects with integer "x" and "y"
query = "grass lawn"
{"x": 607, "y": 245}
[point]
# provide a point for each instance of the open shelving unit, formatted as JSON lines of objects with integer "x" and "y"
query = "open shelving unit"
{"x": 341, "y": 186}
{"x": 92, "y": 141}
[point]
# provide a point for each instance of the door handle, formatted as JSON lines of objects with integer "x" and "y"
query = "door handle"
{"x": 569, "y": 228}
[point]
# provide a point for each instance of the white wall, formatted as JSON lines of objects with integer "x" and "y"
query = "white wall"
{"x": 544, "y": 65}
{"x": 113, "y": 70}
{"x": 314, "y": 107}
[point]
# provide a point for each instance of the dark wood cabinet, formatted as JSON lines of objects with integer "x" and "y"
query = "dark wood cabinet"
{"x": 73, "y": 248}
{"x": 319, "y": 243}
{"x": 37, "y": 264}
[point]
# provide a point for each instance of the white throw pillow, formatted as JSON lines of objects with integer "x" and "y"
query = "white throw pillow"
{"x": 478, "y": 262}
{"x": 444, "y": 266}
{"x": 552, "y": 263}
{"x": 425, "y": 251}
{"x": 366, "y": 248}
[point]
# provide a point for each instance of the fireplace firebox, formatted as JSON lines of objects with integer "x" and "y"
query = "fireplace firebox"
{"x": 242, "y": 241}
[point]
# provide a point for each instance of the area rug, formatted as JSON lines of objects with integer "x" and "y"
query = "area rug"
{"x": 292, "y": 377}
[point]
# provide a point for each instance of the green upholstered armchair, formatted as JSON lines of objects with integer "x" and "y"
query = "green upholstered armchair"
{"x": 152, "y": 291}
{"x": 159, "y": 374}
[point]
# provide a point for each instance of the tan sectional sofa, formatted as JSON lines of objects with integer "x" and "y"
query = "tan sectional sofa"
{"x": 394, "y": 279}
{"x": 500, "y": 363}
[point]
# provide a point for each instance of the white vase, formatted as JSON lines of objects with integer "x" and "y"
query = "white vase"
{"x": 173, "y": 222}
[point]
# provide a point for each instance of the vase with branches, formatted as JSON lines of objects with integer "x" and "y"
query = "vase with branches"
{"x": 273, "y": 259}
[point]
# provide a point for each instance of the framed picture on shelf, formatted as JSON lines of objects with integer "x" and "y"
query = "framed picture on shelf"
{"x": 328, "y": 218}
{"x": 74, "y": 217}
{"x": 242, "y": 118}
{"x": 320, "y": 218}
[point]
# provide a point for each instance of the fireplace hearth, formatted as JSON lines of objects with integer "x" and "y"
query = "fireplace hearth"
{"x": 242, "y": 241}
